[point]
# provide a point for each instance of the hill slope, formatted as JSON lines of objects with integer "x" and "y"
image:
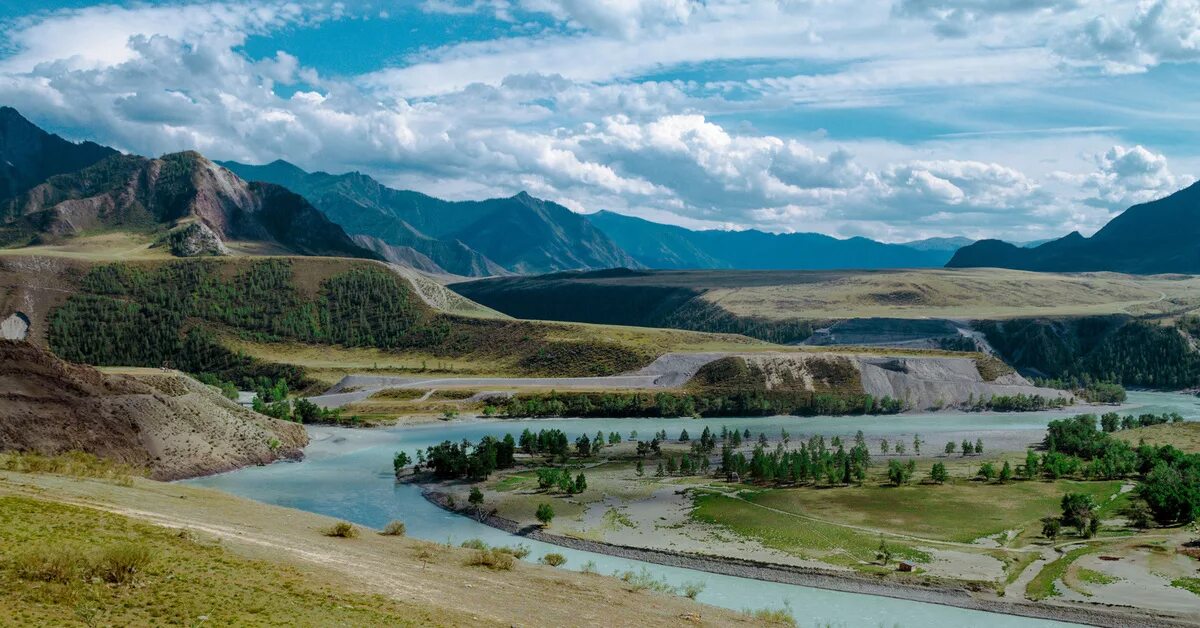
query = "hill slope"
{"x": 498, "y": 236}
{"x": 656, "y": 245}
{"x": 167, "y": 423}
{"x": 1161, "y": 236}
{"x": 206, "y": 206}
{"x": 29, "y": 155}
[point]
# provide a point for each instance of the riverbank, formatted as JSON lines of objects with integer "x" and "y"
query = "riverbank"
{"x": 933, "y": 592}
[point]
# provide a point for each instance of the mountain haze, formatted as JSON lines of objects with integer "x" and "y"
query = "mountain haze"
{"x": 500, "y": 236}
{"x": 1161, "y": 236}
{"x": 670, "y": 247}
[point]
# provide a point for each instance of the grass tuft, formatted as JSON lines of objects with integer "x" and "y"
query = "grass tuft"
{"x": 342, "y": 530}
{"x": 394, "y": 528}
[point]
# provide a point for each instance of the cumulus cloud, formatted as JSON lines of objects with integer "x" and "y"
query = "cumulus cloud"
{"x": 1127, "y": 176}
{"x": 1158, "y": 31}
{"x": 98, "y": 36}
{"x": 567, "y": 116}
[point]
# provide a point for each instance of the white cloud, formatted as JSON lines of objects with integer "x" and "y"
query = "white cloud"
{"x": 959, "y": 18}
{"x": 566, "y": 114}
{"x": 622, "y": 18}
{"x": 1127, "y": 176}
{"x": 99, "y": 36}
{"x": 1157, "y": 31}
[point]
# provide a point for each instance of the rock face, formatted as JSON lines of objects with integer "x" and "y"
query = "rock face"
{"x": 922, "y": 383}
{"x": 195, "y": 239}
{"x": 15, "y": 327}
{"x": 166, "y": 422}
{"x": 929, "y": 383}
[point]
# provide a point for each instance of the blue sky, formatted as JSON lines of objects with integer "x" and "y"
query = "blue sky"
{"x": 893, "y": 119}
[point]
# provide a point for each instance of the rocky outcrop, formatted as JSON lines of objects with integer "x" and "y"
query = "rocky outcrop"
{"x": 194, "y": 240}
{"x": 165, "y": 422}
{"x": 933, "y": 383}
{"x": 920, "y": 383}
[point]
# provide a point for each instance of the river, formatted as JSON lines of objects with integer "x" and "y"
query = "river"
{"x": 347, "y": 474}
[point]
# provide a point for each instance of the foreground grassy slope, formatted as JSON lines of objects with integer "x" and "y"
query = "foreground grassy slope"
{"x": 184, "y": 581}
{"x": 239, "y": 562}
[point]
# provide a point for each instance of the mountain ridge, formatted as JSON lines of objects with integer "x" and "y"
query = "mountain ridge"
{"x": 657, "y": 245}
{"x": 499, "y": 236}
{"x": 1156, "y": 237}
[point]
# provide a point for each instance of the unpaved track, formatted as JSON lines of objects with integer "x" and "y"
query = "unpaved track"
{"x": 529, "y": 595}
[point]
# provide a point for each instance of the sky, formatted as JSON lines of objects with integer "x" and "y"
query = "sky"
{"x": 890, "y": 119}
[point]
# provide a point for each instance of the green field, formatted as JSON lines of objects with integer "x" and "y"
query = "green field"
{"x": 958, "y": 511}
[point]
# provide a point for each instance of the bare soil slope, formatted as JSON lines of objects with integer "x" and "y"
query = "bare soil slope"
{"x": 168, "y": 423}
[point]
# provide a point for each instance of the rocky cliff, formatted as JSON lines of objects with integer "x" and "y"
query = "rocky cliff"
{"x": 165, "y": 422}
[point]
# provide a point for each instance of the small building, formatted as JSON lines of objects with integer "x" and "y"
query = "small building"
{"x": 906, "y": 566}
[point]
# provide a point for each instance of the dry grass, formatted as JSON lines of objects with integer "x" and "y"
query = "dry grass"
{"x": 1183, "y": 436}
{"x": 394, "y": 528}
{"x": 492, "y": 559}
{"x": 959, "y": 293}
{"x": 100, "y": 247}
{"x": 341, "y": 530}
{"x": 75, "y": 463}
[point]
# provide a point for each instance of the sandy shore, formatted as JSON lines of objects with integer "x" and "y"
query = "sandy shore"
{"x": 921, "y": 591}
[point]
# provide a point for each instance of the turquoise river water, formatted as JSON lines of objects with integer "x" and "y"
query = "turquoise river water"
{"x": 347, "y": 474}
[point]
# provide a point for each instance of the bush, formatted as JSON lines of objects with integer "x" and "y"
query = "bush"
{"x": 475, "y": 544}
{"x": 122, "y": 563}
{"x": 692, "y": 589}
{"x": 394, "y": 528}
{"x": 516, "y": 551}
{"x": 492, "y": 559}
{"x": 342, "y": 530}
{"x": 554, "y": 560}
{"x": 49, "y": 564}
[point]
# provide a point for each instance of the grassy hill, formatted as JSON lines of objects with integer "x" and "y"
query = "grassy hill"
{"x": 246, "y": 319}
{"x": 1131, "y": 329}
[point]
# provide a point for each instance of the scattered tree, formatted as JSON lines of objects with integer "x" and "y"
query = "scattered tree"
{"x": 545, "y": 514}
{"x": 938, "y": 473}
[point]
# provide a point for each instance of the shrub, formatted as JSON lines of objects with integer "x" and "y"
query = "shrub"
{"x": 692, "y": 589}
{"x": 49, "y": 564}
{"x": 122, "y": 563}
{"x": 475, "y": 544}
{"x": 492, "y": 559}
{"x": 342, "y": 530}
{"x": 554, "y": 559}
{"x": 777, "y": 616}
{"x": 394, "y": 528}
{"x": 516, "y": 551}
{"x": 589, "y": 567}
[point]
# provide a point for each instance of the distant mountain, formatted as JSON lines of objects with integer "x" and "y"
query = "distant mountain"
{"x": 949, "y": 245}
{"x": 519, "y": 234}
{"x": 1161, "y": 236}
{"x": 198, "y": 205}
{"x": 29, "y": 155}
{"x": 670, "y": 247}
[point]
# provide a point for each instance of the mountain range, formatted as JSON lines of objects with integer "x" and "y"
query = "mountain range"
{"x": 657, "y": 245}
{"x": 1162, "y": 236}
{"x": 52, "y": 189}
{"x": 191, "y": 204}
{"x": 499, "y": 236}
